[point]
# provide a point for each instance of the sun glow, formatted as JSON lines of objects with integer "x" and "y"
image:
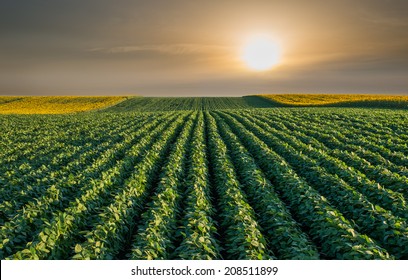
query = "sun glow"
{"x": 261, "y": 53}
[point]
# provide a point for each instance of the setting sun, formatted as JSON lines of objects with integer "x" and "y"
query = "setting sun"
{"x": 260, "y": 53}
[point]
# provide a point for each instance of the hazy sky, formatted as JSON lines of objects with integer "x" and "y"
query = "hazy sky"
{"x": 185, "y": 47}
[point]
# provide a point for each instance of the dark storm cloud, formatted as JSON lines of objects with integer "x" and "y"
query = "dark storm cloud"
{"x": 191, "y": 47}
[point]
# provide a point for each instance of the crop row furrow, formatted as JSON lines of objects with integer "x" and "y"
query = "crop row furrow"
{"x": 371, "y": 164}
{"x": 363, "y": 122}
{"x": 198, "y": 228}
{"x": 37, "y": 183}
{"x": 101, "y": 172}
{"x": 376, "y": 194}
{"x": 396, "y": 157}
{"x": 51, "y": 138}
{"x": 107, "y": 237}
{"x": 283, "y": 233}
{"x": 244, "y": 239}
{"x": 375, "y": 130}
{"x": 335, "y": 139}
{"x": 155, "y": 234}
{"x": 388, "y": 230}
{"x": 335, "y": 235}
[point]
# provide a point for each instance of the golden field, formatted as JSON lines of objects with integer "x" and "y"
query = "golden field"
{"x": 326, "y": 99}
{"x": 55, "y": 104}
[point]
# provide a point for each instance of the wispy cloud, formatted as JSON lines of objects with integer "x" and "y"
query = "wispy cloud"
{"x": 388, "y": 21}
{"x": 174, "y": 49}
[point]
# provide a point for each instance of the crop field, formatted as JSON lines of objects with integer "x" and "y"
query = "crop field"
{"x": 189, "y": 103}
{"x": 339, "y": 100}
{"x": 196, "y": 180}
{"x": 120, "y": 104}
{"x": 55, "y": 104}
{"x": 71, "y": 104}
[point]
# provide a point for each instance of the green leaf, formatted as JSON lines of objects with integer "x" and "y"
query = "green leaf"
{"x": 78, "y": 248}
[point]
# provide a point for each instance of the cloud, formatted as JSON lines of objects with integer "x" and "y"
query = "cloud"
{"x": 387, "y": 21}
{"x": 173, "y": 49}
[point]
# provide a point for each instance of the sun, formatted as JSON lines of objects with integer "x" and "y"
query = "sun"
{"x": 261, "y": 53}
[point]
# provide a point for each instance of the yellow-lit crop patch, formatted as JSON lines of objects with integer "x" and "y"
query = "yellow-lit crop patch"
{"x": 325, "y": 99}
{"x": 55, "y": 104}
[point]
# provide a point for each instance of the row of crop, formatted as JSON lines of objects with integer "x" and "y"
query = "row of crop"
{"x": 388, "y": 179}
{"x": 323, "y": 223}
{"x": 376, "y": 194}
{"x": 397, "y": 157}
{"x": 320, "y": 127}
{"x": 17, "y": 135}
{"x": 184, "y": 103}
{"x": 198, "y": 228}
{"x": 370, "y": 125}
{"x": 14, "y": 168}
{"x": 69, "y": 162}
{"x": 283, "y": 233}
{"x": 337, "y": 138}
{"x": 86, "y": 187}
{"x": 59, "y": 186}
{"x": 388, "y": 230}
{"x": 393, "y": 145}
{"x": 372, "y": 165}
{"x": 374, "y": 132}
{"x": 242, "y": 234}
{"x": 155, "y": 234}
{"x": 46, "y": 151}
{"x": 357, "y": 125}
{"x": 56, "y": 238}
{"x": 217, "y": 103}
{"x": 31, "y": 136}
{"x": 155, "y": 104}
{"x": 382, "y": 121}
{"x": 21, "y": 185}
{"x": 108, "y": 236}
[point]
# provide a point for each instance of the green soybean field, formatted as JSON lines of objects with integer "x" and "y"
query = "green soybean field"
{"x": 202, "y": 179}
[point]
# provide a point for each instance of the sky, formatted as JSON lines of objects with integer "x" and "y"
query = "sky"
{"x": 193, "y": 48}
